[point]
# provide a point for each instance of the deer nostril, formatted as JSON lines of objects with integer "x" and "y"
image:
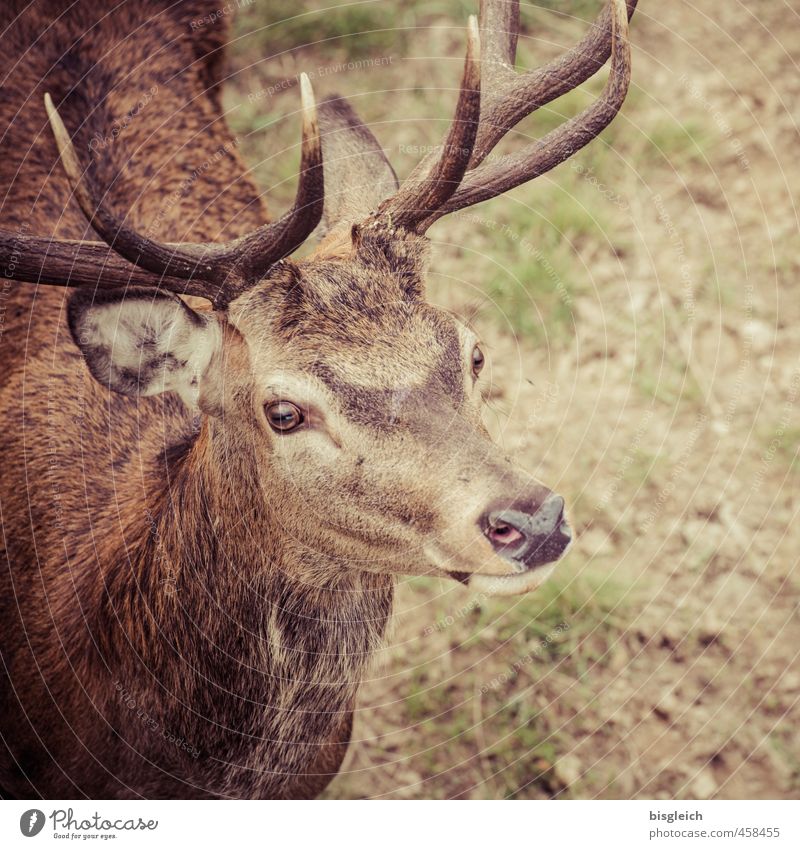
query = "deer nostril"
{"x": 502, "y": 533}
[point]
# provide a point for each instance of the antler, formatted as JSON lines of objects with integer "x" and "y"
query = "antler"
{"x": 66, "y": 262}
{"x": 214, "y": 271}
{"x": 419, "y": 196}
{"x": 508, "y": 97}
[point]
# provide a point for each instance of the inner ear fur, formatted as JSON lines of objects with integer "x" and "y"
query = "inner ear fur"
{"x": 141, "y": 342}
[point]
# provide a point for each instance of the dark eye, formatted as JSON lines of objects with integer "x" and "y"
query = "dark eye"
{"x": 477, "y": 360}
{"x": 283, "y": 416}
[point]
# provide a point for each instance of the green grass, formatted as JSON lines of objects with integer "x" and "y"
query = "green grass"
{"x": 573, "y": 625}
{"x": 351, "y": 29}
{"x": 781, "y": 441}
{"x": 662, "y": 373}
{"x": 582, "y": 600}
{"x": 586, "y": 9}
{"x": 357, "y": 28}
{"x": 677, "y": 143}
{"x": 526, "y": 253}
{"x": 524, "y": 761}
{"x": 784, "y": 745}
{"x": 664, "y": 141}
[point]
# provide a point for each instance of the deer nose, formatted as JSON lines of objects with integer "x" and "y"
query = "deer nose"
{"x": 528, "y": 537}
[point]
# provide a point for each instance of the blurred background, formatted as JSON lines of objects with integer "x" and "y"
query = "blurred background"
{"x": 639, "y": 306}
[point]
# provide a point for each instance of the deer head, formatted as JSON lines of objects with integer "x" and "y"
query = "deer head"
{"x": 354, "y": 403}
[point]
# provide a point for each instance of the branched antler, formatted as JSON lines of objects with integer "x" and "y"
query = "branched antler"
{"x": 67, "y": 262}
{"x": 507, "y": 97}
{"x": 227, "y": 267}
{"x": 420, "y": 195}
{"x": 493, "y": 99}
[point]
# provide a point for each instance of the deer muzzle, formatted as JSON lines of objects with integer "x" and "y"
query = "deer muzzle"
{"x": 527, "y": 534}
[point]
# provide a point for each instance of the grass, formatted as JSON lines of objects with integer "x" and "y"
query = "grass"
{"x": 582, "y": 600}
{"x": 781, "y": 442}
{"x": 353, "y": 29}
{"x": 662, "y": 373}
{"x": 361, "y": 27}
{"x": 527, "y": 256}
{"x": 784, "y": 745}
{"x": 571, "y": 627}
{"x": 676, "y": 144}
{"x": 501, "y": 732}
{"x": 586, "y": 9}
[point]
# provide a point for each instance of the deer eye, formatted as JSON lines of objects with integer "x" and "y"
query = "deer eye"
{"x": 478, "y": 360}
{"x": 283, "y": 416}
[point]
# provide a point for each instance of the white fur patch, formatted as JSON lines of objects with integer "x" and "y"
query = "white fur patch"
{"x": 505, "y": 585}
{"x": 147, "y": 345}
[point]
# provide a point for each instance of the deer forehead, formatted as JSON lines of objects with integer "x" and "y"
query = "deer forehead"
{"x": 407, "y": 362}
{"x": 387, "y": 346}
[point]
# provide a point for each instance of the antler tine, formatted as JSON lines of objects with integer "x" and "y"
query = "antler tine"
{"x": 508, "y": 97}
{"x": 488, "y": 180}
{"x": 226, "y": 268}
{"x": 499, "y": 33}
{"x": 266, "y": 246}
{"x": 158, "y": 258}
{"x": 418, "y": 197}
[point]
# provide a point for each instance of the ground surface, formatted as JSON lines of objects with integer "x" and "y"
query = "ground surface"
{"x": 640, "y": 307}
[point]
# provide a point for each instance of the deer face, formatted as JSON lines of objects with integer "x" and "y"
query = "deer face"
{"x": 359, "y": 402}
{"x": 355, "y": 406}
{"x": 362, "y": 408}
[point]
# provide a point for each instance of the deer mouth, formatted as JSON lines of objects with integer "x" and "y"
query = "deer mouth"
{"x": 506, "y": 547}
{"x": 527, "y": 534}
{"x": 533, "y": 561}
{"x": 526, "y": 556}
{"x": 506, "y": 585}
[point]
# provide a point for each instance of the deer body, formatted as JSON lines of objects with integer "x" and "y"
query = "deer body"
{"x": 193, "y": 582}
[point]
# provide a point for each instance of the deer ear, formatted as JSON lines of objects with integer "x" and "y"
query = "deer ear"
{"x": 357, "y": 174}
{"x": 143, "y": 342}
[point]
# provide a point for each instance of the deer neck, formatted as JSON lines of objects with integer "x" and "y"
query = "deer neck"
{"x": 249, "y": 631}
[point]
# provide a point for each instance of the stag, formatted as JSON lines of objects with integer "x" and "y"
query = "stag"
{"x": 218, "y": 459}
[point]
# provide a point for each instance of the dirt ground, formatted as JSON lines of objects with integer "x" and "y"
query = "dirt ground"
{"x": 640, "y": 309}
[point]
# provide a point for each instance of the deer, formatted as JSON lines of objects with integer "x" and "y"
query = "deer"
{"x": 219, "y": 456}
